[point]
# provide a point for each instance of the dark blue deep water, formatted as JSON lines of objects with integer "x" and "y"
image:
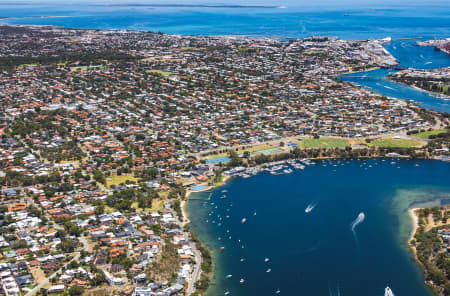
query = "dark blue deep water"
{"x": 317, "y": 253}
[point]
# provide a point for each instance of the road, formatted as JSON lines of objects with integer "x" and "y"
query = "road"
{"x": 77, "y": 256}
{"x": 197, "y": 270}
{"x": 198, "y": 257}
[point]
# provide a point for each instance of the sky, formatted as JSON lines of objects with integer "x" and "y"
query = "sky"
{"x": 296, "y": 3}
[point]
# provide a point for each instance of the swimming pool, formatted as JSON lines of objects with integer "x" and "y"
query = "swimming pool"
{"x": 199, "y": 187}
{"x": 218, "y": 160}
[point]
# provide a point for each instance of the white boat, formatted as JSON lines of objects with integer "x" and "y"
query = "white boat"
{"x": 243, "y": 220}
{"x": 224, "y": 191}
{"x": 223, "y": 196}
{"x": 310, "y": 207}
{"x": 227, "y": 293}
{"x": 266, "y": 260}
{"x": 229, "y": 276}
{"x": 388, "y": 292}
{"x": 277, "y": 291}
{"x": 241, "y": 281}
{"x": 242, "y": 259}
{"x": 269, "y": 270}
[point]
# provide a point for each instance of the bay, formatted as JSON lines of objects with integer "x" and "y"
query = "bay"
{"x": 317, "y": 253}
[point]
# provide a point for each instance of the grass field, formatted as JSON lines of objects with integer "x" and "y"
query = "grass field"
{"x": 190, "y": 48}
{"x": 426, "y": 135}
{"x": 251, "y": 150}
{"x": 117, "y": 180}
{"x": 397, "y": 143}
{"x": 163, "y": 73}
{"x": 324, "y": 143}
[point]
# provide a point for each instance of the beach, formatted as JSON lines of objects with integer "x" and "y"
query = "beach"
{"x": 415, "y": 224}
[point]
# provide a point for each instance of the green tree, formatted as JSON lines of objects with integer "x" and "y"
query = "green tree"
{"x": 76, "y": 290}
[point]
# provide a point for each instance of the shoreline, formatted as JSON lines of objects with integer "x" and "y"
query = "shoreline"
{"x": 415, "y": 226}
{"x": 415, "y": 223}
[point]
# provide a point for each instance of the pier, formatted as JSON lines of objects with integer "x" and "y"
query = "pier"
{"x": 197, "y": 198}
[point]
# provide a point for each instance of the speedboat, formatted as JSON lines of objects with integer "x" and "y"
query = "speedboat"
{"x": 241, "y": 281}
{"x": 243, "y": 220}
{"x": 269, "y": 270}
{"x": 388, "y": 292}
{"x": 228, "y": 276}
{"x": 266, "y": 260}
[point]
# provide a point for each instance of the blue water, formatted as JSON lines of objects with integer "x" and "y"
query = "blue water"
{"x": 409, "y": 55}
{"x": 317, "y": 253}
{"x": 346, "y": 21}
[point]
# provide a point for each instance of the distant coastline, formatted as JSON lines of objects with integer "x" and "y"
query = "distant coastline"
{"x": 189, "y": 5}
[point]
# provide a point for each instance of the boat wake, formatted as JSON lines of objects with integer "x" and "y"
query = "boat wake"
{"x": 357, "y": 221}
{"x": 334, "y": 292}
{"x": 310, "y": 207}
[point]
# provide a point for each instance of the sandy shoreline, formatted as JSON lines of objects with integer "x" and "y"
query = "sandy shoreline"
{"x": 415, "y": 220}
{"x": 189, "y": 192}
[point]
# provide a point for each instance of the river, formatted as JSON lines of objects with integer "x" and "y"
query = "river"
{"x": 409, "y": 55}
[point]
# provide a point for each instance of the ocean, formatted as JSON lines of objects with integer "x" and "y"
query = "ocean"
{"x": 347, "y": 21}
{"x": 318, "y": 253}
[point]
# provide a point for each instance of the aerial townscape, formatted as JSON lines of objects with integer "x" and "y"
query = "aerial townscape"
{"x": 106, "y": 134}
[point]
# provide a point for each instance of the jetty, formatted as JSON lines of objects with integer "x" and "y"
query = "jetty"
{"x": 199, "y": 198}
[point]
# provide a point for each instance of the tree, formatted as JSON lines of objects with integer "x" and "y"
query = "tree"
{"x": 99, "y": 177}
{"x": 99, "y": 278}
{"x": 235, "y": 160}
{"x": 76, "y": 290}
